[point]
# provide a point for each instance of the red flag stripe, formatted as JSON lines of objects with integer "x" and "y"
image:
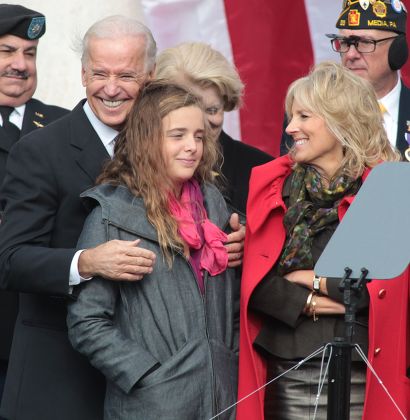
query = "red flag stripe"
{"x": 271, "y": 47}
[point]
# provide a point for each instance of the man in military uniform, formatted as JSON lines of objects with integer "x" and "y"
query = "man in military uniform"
{"x": 20, "y": 30}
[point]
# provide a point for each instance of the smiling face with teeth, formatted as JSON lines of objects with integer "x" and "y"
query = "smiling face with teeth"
{"x": 314, "y": 143}
{"x": 112, "y": 75}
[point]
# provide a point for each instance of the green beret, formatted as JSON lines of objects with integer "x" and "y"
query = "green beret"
{"x": 387, "y": 15}
{"x": 22, "y": 22}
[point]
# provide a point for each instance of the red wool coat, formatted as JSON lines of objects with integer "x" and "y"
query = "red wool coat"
{"x": 389, "y": 325}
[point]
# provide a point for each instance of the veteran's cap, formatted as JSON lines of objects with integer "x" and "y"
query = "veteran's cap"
{"x": 388, "y": 15}
{"x": 22, "y": 22}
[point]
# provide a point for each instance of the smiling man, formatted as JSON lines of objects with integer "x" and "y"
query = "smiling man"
{"x": 43, "y": 217}
{"x": 112, "y": 74}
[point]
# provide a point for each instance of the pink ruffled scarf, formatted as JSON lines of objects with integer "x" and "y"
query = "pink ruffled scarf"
{"x": 198, "y": 231}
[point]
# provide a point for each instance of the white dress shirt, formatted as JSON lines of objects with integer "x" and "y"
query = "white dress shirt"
{"x": 391, "y": 116}
{"x": 16, "y": 117}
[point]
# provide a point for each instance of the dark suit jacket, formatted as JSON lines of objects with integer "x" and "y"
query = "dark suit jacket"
{"x": 43, "y": 217}
{"x": 239, "y": 159}
{"x": 36, "y": 115}
{"x": 402, "y": 126}
{"x": 404, "y": 117}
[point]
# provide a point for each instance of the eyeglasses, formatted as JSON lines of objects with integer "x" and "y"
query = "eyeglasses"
{"x": 362, "y": 45}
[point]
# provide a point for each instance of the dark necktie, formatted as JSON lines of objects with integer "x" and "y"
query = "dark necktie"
{"x": 12, "y": 131}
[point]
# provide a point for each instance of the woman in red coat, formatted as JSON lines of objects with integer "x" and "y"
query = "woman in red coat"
{"x": 295, "y": 204}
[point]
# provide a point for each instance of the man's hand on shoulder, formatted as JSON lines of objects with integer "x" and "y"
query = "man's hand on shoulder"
{"x": 235, "y": 241}
{"x": 116, "y": 260}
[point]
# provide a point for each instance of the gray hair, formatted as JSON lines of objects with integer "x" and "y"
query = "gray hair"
{"x": 117, "y": 26}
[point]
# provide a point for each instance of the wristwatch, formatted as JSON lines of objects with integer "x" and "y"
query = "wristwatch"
{"x": 316, "y": 283}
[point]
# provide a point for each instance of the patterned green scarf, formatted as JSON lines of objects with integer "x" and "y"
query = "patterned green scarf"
{"x": 311, "y": 208}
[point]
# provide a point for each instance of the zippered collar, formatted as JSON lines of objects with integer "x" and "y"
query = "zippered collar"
{"x": 121, "y": 208}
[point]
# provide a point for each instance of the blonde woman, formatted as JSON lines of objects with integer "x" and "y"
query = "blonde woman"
{"x": 211, "y": 76}
{"x": 167, "y": 344}
{"x": 295, "y": 204}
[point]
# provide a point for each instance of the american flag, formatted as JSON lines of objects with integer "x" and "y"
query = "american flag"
{"x": 271, "y": 42}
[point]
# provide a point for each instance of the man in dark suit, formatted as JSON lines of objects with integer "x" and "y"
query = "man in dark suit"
{"x": 372, "y": 43}
{"x": 20, "y": 30}
{"x": 238, "y": 160}
{"x": 43, "y": 217}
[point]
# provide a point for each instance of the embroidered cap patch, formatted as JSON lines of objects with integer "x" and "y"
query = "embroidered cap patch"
{"x": 36, "y": 25}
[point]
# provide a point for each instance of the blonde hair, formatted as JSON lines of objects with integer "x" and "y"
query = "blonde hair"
{"x": 199, "y": 64}
{"x": 348, "y": 105}
{"x": 138, "y": 161}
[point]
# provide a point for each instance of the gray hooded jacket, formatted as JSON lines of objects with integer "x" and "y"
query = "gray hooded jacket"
{"x": 128, "y": 328}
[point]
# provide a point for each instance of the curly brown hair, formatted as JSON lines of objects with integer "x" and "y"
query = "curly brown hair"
{"x": 138, "y": 162}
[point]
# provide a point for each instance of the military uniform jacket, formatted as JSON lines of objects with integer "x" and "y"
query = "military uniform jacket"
{"x": 43, "y": 216}
{"x": 36, "y": 115}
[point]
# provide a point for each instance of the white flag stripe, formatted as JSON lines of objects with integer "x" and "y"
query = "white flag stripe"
{"x": 176, "y": 21}
{"x": 322, "y": 17}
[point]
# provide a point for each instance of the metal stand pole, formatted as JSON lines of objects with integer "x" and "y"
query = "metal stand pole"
{"x": 338, "y": 400}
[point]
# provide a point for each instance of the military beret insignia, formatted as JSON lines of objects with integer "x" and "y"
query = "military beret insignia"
{"x": 36, "y": 25}
{"x": 22, "y": 22}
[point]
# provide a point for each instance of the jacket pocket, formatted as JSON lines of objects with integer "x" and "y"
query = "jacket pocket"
{"x": 181, "y": 388}
{"x": 167, "y": 368}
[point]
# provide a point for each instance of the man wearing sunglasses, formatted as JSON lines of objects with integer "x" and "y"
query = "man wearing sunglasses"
{"x": 372, "y": 43}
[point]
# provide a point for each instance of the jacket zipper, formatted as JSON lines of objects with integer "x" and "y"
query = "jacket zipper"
{"x": 203, "y": 298}
{"x": 202, "y": 295}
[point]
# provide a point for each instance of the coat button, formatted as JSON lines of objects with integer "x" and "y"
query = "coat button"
{"x": 382, "y": 293}
{"x": 377, "y": 351}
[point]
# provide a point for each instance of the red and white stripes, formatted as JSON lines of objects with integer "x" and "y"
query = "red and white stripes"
{"x": 271, "y": 42}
